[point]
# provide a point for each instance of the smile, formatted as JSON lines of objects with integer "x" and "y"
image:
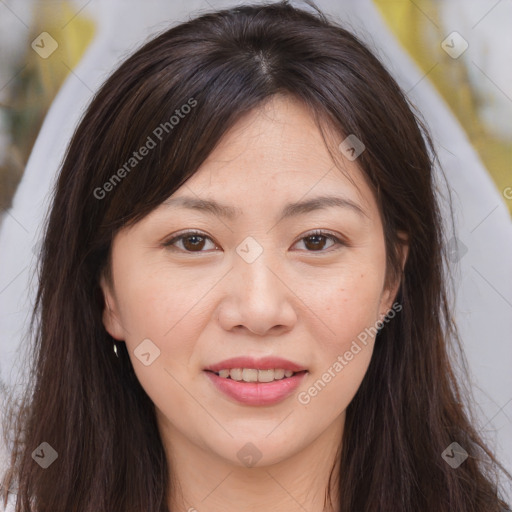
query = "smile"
{"x": 256, "y": 387}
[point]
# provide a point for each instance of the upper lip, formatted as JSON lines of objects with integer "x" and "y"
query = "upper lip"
{"x": 264, "y": 363}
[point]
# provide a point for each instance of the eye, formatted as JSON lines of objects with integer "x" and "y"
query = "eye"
{"x": 195, "y": 241}
{"x": 316, "y": 240}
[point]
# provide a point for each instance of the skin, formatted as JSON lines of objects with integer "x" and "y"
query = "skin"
{"x": 297, "y": 300}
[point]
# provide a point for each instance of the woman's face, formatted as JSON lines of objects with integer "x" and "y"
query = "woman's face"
{"x": 254, "y": 283}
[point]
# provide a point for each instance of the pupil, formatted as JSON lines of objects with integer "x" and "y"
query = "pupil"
{"x": 195, "y": 244}
{"x": 316, "y": 237}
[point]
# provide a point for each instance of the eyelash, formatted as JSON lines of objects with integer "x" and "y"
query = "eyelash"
{"x": 188, "y": 234}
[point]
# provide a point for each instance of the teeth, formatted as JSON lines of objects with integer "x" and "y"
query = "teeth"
{"x": 279, "y": 374}
{"x": 235, "y": 373}
{"x": 253, "y": 375}
{"x": 249, "y": 375}
{"x": 265, "y": 375}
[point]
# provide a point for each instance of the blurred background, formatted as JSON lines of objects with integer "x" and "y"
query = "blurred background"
{"x": 28, "y": 83}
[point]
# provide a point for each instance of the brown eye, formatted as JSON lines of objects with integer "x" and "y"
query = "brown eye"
{"x": 191, "y": 241}
{"x": 194, "y": 241}
{"x": 316, "y": 241}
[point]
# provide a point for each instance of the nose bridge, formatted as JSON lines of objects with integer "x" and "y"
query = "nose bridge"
{"x": 255, "y": 267}
{"x": 256, "y": 296}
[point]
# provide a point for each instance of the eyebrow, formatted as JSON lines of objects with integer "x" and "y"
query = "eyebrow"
{"x": 213, "y": 207}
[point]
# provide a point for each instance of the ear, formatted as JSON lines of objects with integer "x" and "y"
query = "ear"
{"x": 391, "y": 288}
{"x": 110, "y": 311}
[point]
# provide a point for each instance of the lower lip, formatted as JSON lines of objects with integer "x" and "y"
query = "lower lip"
{"x": 257, "y": 393}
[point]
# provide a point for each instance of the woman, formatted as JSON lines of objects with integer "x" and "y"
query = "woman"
{"x": 241, "y": 296}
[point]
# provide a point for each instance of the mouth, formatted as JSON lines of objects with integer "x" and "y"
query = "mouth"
{"x": 256, "y": 387}
{"x": 256, "y": 375}
{"x": 255, "y": 381}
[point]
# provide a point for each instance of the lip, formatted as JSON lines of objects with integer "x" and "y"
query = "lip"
{"x": 256, "y": 393}
{"x": 265, "y": 363}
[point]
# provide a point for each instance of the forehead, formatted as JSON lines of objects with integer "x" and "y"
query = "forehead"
{"x": 277, "y": 151}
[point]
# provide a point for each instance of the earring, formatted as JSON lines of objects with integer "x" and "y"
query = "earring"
{"x": 115, "y": 350}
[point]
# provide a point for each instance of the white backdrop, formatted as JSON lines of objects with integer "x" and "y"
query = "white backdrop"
{"x": 484, "y": 271}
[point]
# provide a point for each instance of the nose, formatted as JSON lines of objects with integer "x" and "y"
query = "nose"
{"x": 256, "y": 297}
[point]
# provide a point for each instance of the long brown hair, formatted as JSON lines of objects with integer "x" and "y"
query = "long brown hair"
{"x": 89, "y": 406}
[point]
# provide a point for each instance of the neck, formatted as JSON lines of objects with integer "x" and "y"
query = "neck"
{"x": 203, "y": 480}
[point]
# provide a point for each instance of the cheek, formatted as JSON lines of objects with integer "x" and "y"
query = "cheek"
{"x": 329, "y": 392}
{"x": 349, "y": 301}
{"x": 349, "y": 307}
{"x": 157, "y": 303}
{"x": 350, "y": 312}
{"x": 168, "y": 308}
{"x": 155, "y": 306}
